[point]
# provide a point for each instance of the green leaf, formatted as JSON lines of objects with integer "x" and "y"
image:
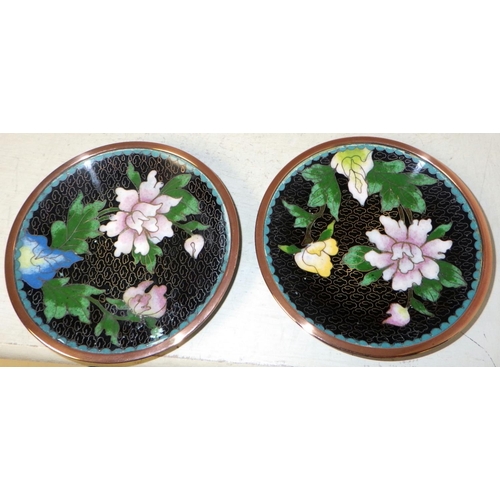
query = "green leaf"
{"x": 119, "y": 304}
{"x": 421, "y": 179}
{"x": 326, "y": 190}
{"x": 81, "y": 225}
{"x": 371, "y": 277}
{"x": 439, "y": 231}
{"x": 449, "y": 275}
{"x": 133, "y": 175}
{"x": 193, "y": 226}
{"x": 148, "y": 260}
{"x": 409, "y": 196}
{"x": 179, "y": 181}
{"x": 429, "y": 289}
{"x": 327, "y": 233}
{"x": 355, "y": 258}
{"x": 58, "y": 232}
{"x": 397, "y": 188}
{"x": 389, "y": 199}
{"x": 150, "y": 322}
{"x": 418, "y": 306}
{"x": 110, "y": 326}
{"x": 187, "y": 206}
{"x": 302, "y": 217}
{"x": 131, "y": 317}
{"x": 290, "y": 249}
{"x": 389, "y": 167}
{"x": 60, "y": 299}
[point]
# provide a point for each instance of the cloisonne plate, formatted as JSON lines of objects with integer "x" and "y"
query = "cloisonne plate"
{"x": 375, "y": 248}
{"x": 122, "y": 253}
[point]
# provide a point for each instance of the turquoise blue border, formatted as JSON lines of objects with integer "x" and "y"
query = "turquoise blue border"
{"x": 190, "y": 168}
{"x": 421, "y": 166}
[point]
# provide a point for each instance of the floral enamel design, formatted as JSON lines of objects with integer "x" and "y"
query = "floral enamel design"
{"x": 146, "y": 300}
{"x": 39, "y": 263}
{"x": 355, "y": 165}
{"x": 315, "y": 257}
{"x": 398, "y": 315}
{"x": 409, "y": 253}
{"x": 412, "y": 259}
{"x": 403, "y": 253}
{"x": 194, "y": 245}
{"x": 144, "y": 217}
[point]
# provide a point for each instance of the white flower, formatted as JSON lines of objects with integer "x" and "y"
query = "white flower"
{"x": 194, "y": 245}
{"x": 355, "y": 165}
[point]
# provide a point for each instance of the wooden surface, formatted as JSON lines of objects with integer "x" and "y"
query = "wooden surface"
{"x": 250, "y": 328}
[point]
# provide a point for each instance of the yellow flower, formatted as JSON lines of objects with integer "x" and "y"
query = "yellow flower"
{"x": 315, "y": 257}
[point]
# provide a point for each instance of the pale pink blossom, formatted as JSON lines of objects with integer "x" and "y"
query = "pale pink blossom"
{"x": 406, "y": 256}
{"x": 141, "y": 218}
{"x": 145, "y": 301}
{"x": 398, "y": 315}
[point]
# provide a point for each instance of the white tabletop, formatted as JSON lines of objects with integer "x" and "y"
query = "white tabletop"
{"x": 250, "y": 328}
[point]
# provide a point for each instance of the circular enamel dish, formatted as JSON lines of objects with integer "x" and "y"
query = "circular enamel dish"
{"x": 375, "y": 248}
{"x": 122, "y": 253}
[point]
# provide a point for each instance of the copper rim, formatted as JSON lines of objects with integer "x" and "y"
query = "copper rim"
{"x": 183, "y": 335}
{"x": 463, "y": 323}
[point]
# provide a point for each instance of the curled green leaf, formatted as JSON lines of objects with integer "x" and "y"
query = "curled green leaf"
{"x": 371, "y": 277}
{"x": 355, "y": 258}
{"x": 428, "y": 289}
{"x": 177, "y": 182}
{"x": 397, "y": 188}
{"x": 418, "y": 306}
{"x": 81, "y": 225}
{"x": 290, "y": 249}
{"x": 439, "y": 232}
{"x": 191, "y": 226}
{"x": 326, "y": 190}
{"x": 327, "y": 233}
{"x": 61, "y": 299}
{"x": 450, "y": 276}
{"x": 302, "y": 217}
{"x": 133, "y": 175}
{"x": 110, "y": 326}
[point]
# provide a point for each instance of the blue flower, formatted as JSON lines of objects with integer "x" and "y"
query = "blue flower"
{"x": 39, "y": 263}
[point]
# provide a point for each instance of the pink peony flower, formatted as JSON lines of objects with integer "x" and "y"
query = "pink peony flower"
{"x": 398, "y": 315}
{"x": 406, "y": 255}
{"x": 141, "y": 217}
{"x": 152, "y": 303}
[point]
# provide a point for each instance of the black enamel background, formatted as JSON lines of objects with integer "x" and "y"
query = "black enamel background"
{"x": 338, "y": 303}
{"x": 189, "y": 281}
